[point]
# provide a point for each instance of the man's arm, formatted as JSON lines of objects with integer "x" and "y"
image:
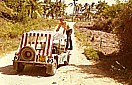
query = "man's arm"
{"x": 63, "y": 31}
{"x": 58, "y": 27}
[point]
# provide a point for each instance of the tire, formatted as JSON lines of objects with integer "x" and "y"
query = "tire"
{"x": 56, "y": 58}
{"x": 68, "y": 58}
{"x": 20, "y": 67}
{"x": 51, "y": 69}
{"x": 27, "y": 53}
{"x": 67, "y": 62}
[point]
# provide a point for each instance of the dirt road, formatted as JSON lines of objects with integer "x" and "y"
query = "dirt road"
{"x": 80, "y": 71}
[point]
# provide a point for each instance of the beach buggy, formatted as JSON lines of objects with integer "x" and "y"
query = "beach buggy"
{"x": 41, "y": 48}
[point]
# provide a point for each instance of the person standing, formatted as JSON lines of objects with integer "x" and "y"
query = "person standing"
{"x": 68, "y": 30}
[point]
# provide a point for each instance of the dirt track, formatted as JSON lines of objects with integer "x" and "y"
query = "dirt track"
{"x": 80, "y": 71}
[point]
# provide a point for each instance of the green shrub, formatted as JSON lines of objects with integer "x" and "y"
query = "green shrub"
{"x": 91, "y": 54}
{"x": 123, "y": 30}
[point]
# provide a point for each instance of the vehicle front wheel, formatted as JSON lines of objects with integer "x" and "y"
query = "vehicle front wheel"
{"x": 67, "y": 62}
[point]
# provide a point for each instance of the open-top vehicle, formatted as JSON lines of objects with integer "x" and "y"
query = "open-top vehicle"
{"x": 41, "y": 48}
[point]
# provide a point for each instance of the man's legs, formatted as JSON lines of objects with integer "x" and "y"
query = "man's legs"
{"x": 67, "y": 42}
{"x": 68, "y": 33}
{"x": 70, "y": 43}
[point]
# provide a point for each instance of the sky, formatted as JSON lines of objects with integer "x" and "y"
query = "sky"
{"x": 70, "y": 9}
{"x": 90, "y": 1}
{"x": 87, "y": 1}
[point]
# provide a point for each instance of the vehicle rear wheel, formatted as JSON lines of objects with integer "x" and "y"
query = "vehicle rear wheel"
{"x": 20, "y": 67}
{"x": 51, "y": 69}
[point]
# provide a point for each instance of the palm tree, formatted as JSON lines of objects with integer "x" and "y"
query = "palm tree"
{"x": 34, "y": 8}
{"x": 74, "y": 8}
{"x": 100, "y": 6}
{"x": 63, "y": 9}
{"x": 47, "y": 1}
{"x": 87, "y": 10}
{"x": 57, "y": 8}
{"x": 78, "y": 8}
{"x": 91, "y": 10}
{"x": 51, "y": 10}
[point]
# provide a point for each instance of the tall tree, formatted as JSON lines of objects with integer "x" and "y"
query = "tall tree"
{"x": 47, "y": 1}
{"x": 100, "y": 6}
{"x": 18, "y": 6}
{"x": 86, "y": 11}
{"x": 35, "y": 9}
{"x": 74, "y": 8}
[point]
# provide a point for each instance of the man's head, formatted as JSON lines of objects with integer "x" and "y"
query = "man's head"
{"x": 61, "y": 19}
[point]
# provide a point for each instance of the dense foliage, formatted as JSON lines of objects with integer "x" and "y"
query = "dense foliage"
{"x": 12, "y": 26}
{"x": 124, "y": 33}
{"x": 116, "y": 19}
{"x": 123, "y": 28}
{"x": 10, "y": 33}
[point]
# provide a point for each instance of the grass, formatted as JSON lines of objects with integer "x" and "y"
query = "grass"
{"x": 83, "y": 39}
{"x": 91, "y": 54}
{"x": 8, "y": 45}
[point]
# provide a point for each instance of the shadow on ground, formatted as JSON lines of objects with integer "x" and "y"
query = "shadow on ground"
{"x": 98, "y": 71}
{"x": 28, "y": 71}
{"x": 33, "y": 71}
{"x": 108, "y": 66}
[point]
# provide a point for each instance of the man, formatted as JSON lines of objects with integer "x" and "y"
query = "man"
{"x": 68, "y": 33}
